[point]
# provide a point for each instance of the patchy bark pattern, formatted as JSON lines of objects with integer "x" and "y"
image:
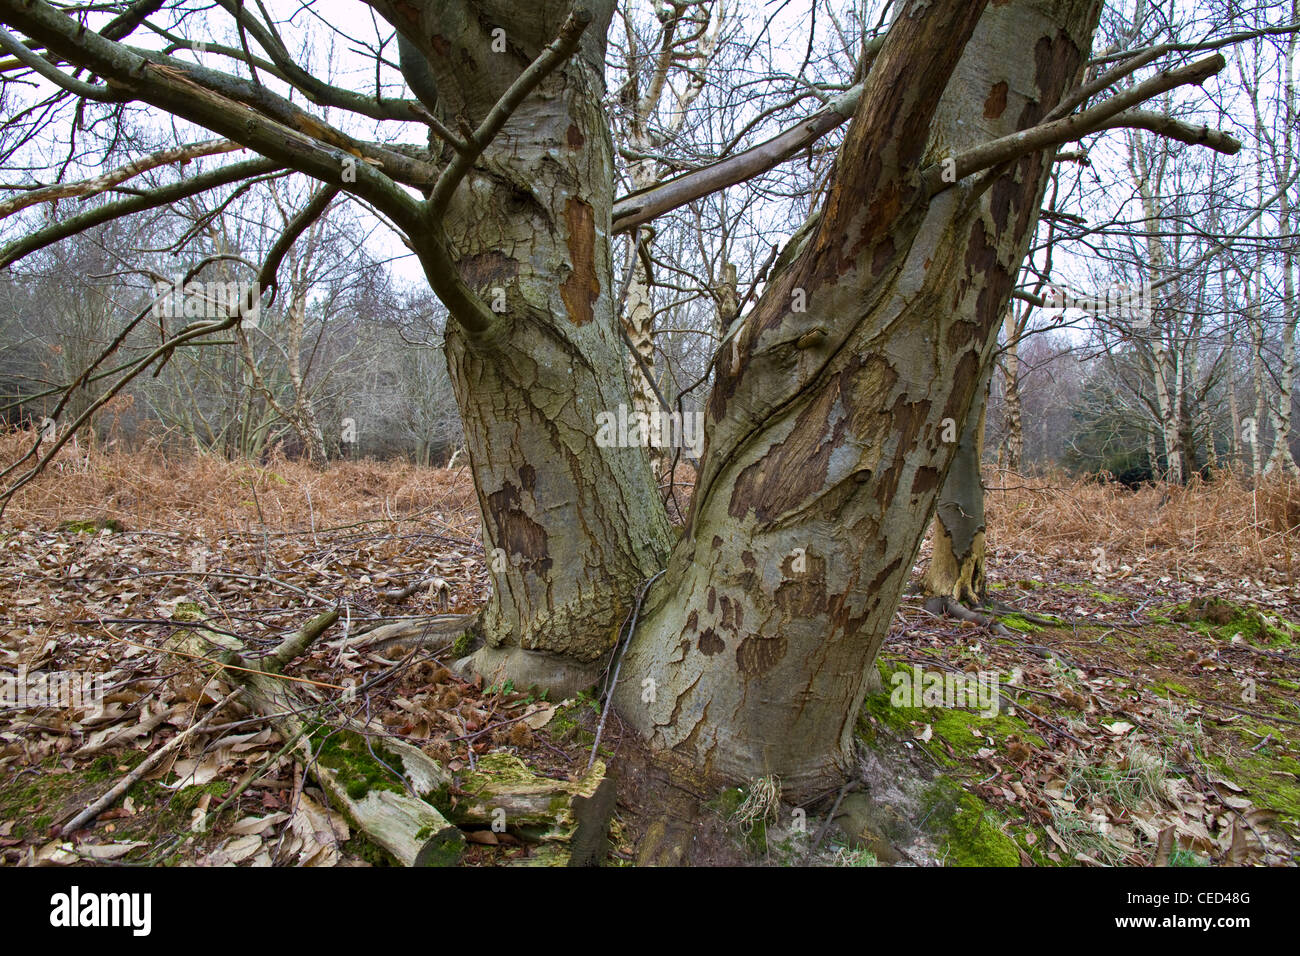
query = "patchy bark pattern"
{"x": 823, "y": 463}
{"x": 582, "y": 288}
{"x": 957, "y": 564}
{"x": 1014, "y": 439}
{"x": 577, "y": 526}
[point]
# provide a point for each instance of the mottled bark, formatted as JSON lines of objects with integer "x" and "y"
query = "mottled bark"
{"x": 570, "y": 528}
{"x": 957, "y": 558}
{"x": 824, "y": 454}
{"x": 645, "y": 136}
{"x": 825, "y": 448}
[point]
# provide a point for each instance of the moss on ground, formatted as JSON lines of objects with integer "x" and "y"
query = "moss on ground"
{"x": 38, "y": 797}
{"x": 567, "y": 726}
{"x": 92, "y": 526}
{"x": 1269, "y": 775}
{"x": 366, "y": 849}
{"x": 972, "y": 833}
{"x": 969, "y": 831}
{"x": 1093, "y": 592}
{"x": 1017, "y": 622}
{"x": 964, "y": 731}
{"x": 1222, "y": 620}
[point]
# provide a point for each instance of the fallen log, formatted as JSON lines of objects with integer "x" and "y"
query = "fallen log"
{"x": 503, "y": 794}
{"x": 379, "y": 784}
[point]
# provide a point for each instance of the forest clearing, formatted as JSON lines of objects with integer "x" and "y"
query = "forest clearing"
{"x": 1149, "y": 659}
{"x": 769, "y": 435}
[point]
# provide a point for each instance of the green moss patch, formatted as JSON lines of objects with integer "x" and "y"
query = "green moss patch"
{"x": 973, "y": 835}
{"x": 92, "y": 526}
{"x": 1270, "y": 776}
{"x": 957, "y": 734}
{"x": 1223, "y": 620}
{"x": 1017, "y": 622}
{"x": 356, "y": 761}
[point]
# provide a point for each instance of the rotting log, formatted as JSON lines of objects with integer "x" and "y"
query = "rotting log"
{"x": 380, "y": 785}
{"x": 502, "y": 792}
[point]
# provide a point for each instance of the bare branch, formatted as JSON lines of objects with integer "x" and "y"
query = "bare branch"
{"x": 195, "y": 331}
{"x": 125, "y": 207}
{"x": 1175, "y": 129}
{"x": 38, "y": 64}
{"x": 941, "y": 176}
{"x": 560, "y": 49}
{"x": 639, "y": 208}
{"x": 172, "y": 86}
{"x": 91, "y": 187}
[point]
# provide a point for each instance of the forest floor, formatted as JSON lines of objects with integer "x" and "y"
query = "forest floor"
{"x": 1149, "y": 678}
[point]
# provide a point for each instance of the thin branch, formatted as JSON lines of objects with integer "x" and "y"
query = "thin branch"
{"x": 1173, "y": 128}
{"x": 196, "y": 331}
{"x": 944, "y": 175}
{"x": 639, "y": 208}
{"x": 149, "y": 762}
{"x": 174, "y": 86}
{"x": 559, "y": 50}
{"x": 38, "y": 64}
{"x": 125, "y": 207}
{"x": 98, "y": 184}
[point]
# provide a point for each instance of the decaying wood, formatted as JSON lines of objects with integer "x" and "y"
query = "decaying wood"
{"x": 502, "y": 792}
{"x": 402, "y": 822}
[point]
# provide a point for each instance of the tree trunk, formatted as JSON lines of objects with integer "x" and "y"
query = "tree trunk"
{"x": 1283, "y": 156}
{"x": 571, "y": 528}
{"x": 824, "y": 453}
{"x": 1281, "y": 458}
{"x": 957, "y": 560}
{"x": 1257, "y": 382}
{"x": 1015, "y": 438}
{"x": 638, "y": 322}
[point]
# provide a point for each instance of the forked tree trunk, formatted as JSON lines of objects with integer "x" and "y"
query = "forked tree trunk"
{"x": 957, "y": 559}
{"x": 824, "y": 453}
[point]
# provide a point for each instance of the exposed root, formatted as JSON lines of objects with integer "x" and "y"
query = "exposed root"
{"x": 942, "y": 605}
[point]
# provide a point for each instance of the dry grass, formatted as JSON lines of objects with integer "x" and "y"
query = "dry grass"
{"x": 1222, "y": 527}
{"x": 147, "y": 490}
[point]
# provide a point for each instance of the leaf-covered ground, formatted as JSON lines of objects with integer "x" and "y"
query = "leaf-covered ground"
{"x": 1149, "y": 701}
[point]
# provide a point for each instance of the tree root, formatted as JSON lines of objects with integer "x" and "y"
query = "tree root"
{"x": 418, "y": 631}
{"x": 944, "y": 606}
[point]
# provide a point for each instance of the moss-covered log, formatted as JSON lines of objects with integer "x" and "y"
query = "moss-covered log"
{"x": 502, "y": 793}
{"x": 378, "y": 783}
